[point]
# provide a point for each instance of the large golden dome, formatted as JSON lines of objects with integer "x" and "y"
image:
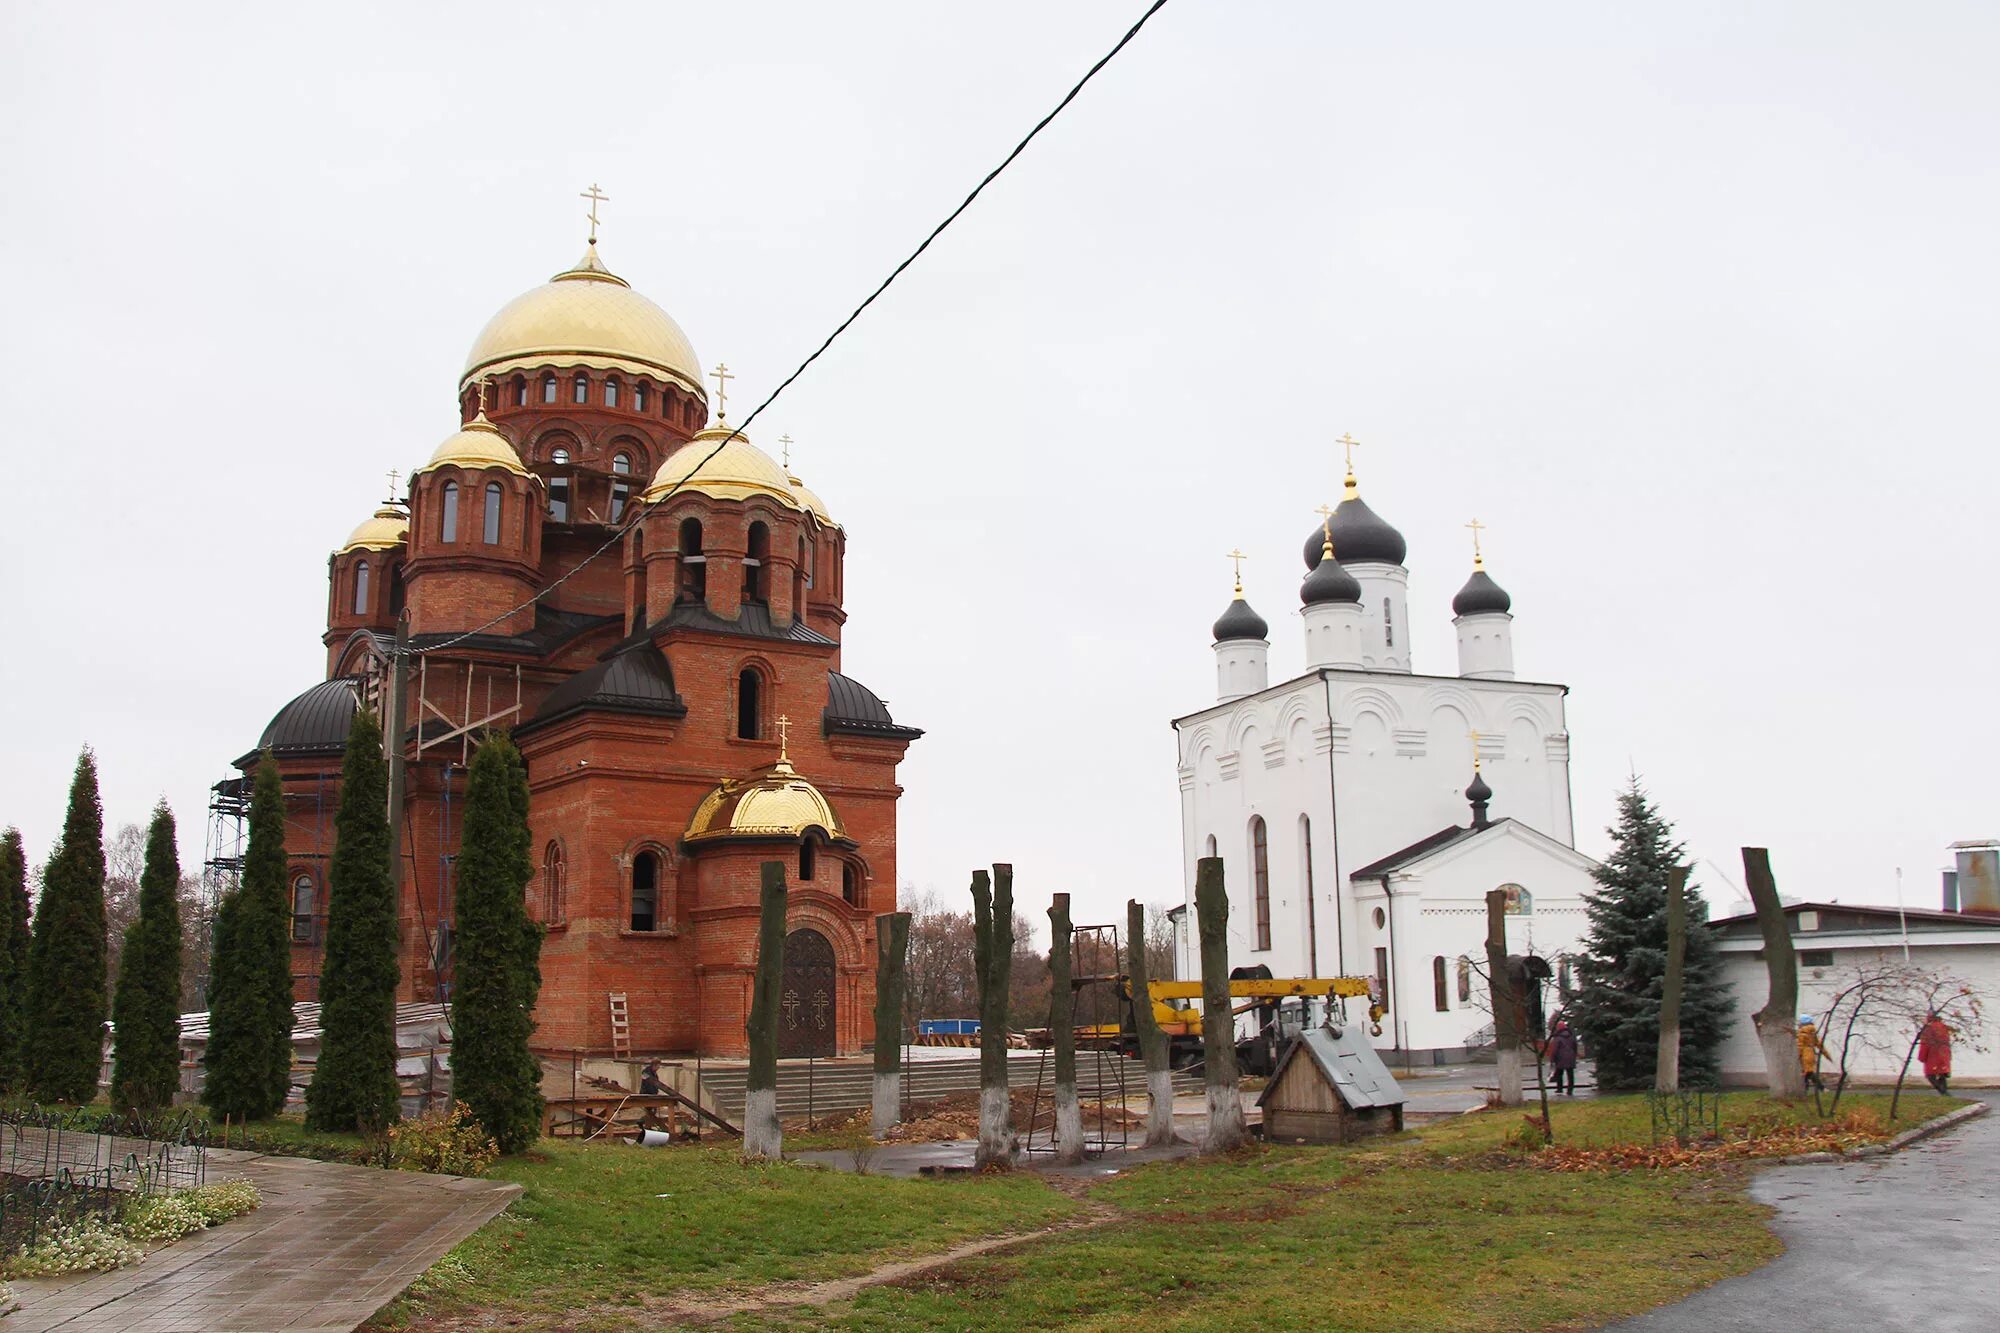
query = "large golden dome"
{"x": 777, "y": 803}
{"x": 585, "y": 316}
{"x": 738, "y": 471}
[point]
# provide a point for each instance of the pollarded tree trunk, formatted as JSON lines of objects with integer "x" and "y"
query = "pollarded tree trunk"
{"x": 1152, "y": 1041}
{"x": 1777, "y": 1022}
{"x": 1667, "y": 1073}
{"x": 1506, "y": 1004}
{"x": 763, "y": 1136}
{"x": 993, "y": 957}
{"x": 892, "y": 953}
{"x": 1062, "y": 1029}
{"x": 1218, "y": 1024}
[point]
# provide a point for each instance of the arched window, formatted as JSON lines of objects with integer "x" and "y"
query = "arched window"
{"x": 850, "y": 884}
{"x": 694, "y": 565}
{"x": 1519, "y": 901}
{"x": 638, "y": 397}
{"x": 808, "y": 859}
{"x": 1438, "y": 991}
{"x": 611, "y": 393}
{"x": 1260, "y": 876}
{"x": 302, "y": 909}
{"x": 749, "y": 704}
{"x": 621, "y": 491}
{"x": 645, "y": 891}
{"x": 560, "y": 458}
{"x": 1388, "y": 625}
{"x": 361, "y": 588}
{"x": 491, "y": 517}
{"x": 448, "y": 519}
{"x": 548, "y": 388}
{"x": 1464, "y": 979}
{"x": 580, "y": 388}
{"x": 756, "y": 564}
{"x": 555, "y": 885}
{"x": 559, "y": 488}
{"x": 520, "y": 391}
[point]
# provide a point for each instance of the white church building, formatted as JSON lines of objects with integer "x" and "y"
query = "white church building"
{"x": 1363, "y": 809}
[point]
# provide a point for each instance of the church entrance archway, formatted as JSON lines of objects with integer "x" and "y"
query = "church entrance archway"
{"x": 806, "y": 1001}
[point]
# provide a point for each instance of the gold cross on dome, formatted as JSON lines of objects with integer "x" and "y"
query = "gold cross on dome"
{"x": 1325, "y": 513}
{"x": 784, "y": 735}
{"x": 394, "y": 477}
{"x": 1348, "y": 443}
{"x": 1475, "y": 749}
{"x": 1477, "y": 527}
{"x": 785, "y": 446}
{"x": 721, "y": 375}
{"x": 596, "y": 197}
{"x": 1237, "y": 558}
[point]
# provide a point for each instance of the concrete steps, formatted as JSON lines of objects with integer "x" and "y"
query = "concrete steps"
{"x": 822, "y": 1088}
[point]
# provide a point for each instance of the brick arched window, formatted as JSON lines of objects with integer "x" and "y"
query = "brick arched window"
{"x": 621, "y": 489}
{"x": 808, "y": 858}
{"x": 693, "y": 563}
{"x": 750, "y": 704}
{"x": 756, "y": 564}
{"x": 646, "y": 891}
{"x": 520, "y": 391}
{"x": 548, "y": 388}
{"x": 850, "y": 884}
{"x": 555, "y": 885}
{"x": 448, "y": 513}
{"x": 1260, "y": 877}
{"x": 611, "y": 393}
{"x": 361, "y": 588}
{"x": 639, "y": 397}
{"x": 580, "y": 388}
{"x": 491, "y": 517}
{"x": 302, "y": 908}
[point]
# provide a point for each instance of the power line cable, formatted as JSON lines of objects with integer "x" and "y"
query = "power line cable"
{"x": 736, "y": 433}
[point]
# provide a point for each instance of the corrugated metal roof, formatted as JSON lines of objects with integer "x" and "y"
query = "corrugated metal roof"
{"x": 1348, "y": 1060}
{"x": 853, "y": 707}
{"x": 638, "y": 680}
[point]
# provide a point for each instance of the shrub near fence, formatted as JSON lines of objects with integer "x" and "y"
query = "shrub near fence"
{"x": 61, "y": 1169}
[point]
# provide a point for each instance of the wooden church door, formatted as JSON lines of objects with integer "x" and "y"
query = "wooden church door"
{"x": 806, "y": 1008}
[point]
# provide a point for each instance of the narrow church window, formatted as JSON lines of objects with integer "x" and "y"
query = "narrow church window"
{"x": 555, "y": 886}
{"x": 621, "y": 466}
{"x": 548, "y": 388}
{"x": 1438, "y": 988}
{"x": 638, "y": 398}
{"x": 1388, "y": 625}
{"x": 580, "y": 389}
{"x": 850, "y": 884}
{"x": 755, "y": 587}
{"x": 1382, "y": 976}
{"x": 808, "y": 859}
{"x": 1260, "y": 872}
{"x": 520, "y": 391}
{"x": 361, "y": 589}
{"x": 611, "y": 393}
{"x": 559, "y": 488}
{"x": 492, "y": 515}
{"x": 1464, "y": 979}
{"x": 694, "y": 565}
{"x": 302, "y": 909}
{"x": 749, "y": 706}
{"x": 448, "y": 522}
{"x": 645, "y": 891}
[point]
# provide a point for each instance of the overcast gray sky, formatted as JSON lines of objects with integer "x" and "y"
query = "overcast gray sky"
{"x": 1692, "y": 304}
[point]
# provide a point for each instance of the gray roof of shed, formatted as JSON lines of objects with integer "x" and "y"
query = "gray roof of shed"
{"x": 1348, "y": 1061}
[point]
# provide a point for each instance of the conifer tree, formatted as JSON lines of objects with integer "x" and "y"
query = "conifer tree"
{"x": 249, "y": 1057}
{"x": 145, "y": 1015}
{"x": 13, "y": 959}
{"x": 66, "y": 963}
{"x": 1616, "y": 1007}
{"x": 354, "y": 1083}
{"x": 498, "y": 953}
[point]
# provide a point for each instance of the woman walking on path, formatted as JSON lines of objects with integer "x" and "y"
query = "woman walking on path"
{"x": 1562, "y": 1056}
{"x": 1934, "y": 1049}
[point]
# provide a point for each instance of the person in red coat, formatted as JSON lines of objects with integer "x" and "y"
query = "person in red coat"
{"x": 1934, "y": 1049}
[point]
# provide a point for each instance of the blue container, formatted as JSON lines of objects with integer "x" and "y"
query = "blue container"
{"x": 947, "y": 1027}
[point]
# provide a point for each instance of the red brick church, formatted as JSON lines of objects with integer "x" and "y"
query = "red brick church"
{"x": 679, "y": 698}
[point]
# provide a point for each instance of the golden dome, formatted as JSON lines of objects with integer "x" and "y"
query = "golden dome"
{"x": 811, "y": 501}
{"x": 479, "y": 445}
{"x": 383, "y": 532}
{"x": 585, "y": 316}
{"x": 777, "y": 803}
{"x": 738, "y": 471}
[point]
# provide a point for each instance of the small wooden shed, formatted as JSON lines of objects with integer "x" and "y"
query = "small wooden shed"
{"x": 1330, "y": 1087}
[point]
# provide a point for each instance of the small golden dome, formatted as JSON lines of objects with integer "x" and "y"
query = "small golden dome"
{"x": 585, "y": 316}
{"x": 738, "y": 471}
{"x": 810, "y": 500}
{"x": 776, "y": 803}
{"x": 385, "y": 531}
{"x": 479, "y": 445}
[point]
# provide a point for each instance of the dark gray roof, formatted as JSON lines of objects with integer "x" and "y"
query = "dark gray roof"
{"x": 551, "y": 631}
{"x": 1348, "y": 1061}
{"x": 854, "y": 709}
{"x": 1240, "y": 622}
{"x": 1480, "y": 594}
{"x": 1359, "y": 536}
{"x": 315, "y": 723}
{"x": 753, "y": 621}
{"x": 1421, "y": 848}
{"x": 1836, "y": 918}
{"x": 638, "y": 680}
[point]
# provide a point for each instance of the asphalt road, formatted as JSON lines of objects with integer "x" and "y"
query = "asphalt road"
{"x": 1906, "y": 1241}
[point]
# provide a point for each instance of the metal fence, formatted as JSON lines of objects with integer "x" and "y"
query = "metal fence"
{"x": 58, "y": 1168}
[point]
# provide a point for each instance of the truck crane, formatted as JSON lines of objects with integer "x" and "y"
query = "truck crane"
{"x": 1260, "y": 993}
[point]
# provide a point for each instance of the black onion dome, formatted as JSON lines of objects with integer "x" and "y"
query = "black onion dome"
{"x": 1360, "y": 536}
{"x": 1480, "y": 594}
{"x": 1478, "y": 793}
{"x": 1329, "y": 582}
{"x": 1240, "y": 622}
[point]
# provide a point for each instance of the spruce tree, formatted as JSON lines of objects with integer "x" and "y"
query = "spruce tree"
{"x": 354, "y": 1083}
{"x": 66, "y": 963}
{"x": 13, "y": 959}
{"x": 1616, "y": 1006}
{"x": 145, "y": 1014}
{"x": 249, "y": 1057}
{"x": 498, "y": 952}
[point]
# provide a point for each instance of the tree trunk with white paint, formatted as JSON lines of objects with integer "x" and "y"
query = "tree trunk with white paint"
{"x": 1500, "y": 989}
{"x": 993, "y": 961}
{"x": 1667, "y": 1071}
{"x": 1218, "y": 1024}
{"x": 763, "y": 1136}
{"x": 892, "y": 948}
{"x": 1152, "y": 1041}
{"x": 1062, "y": 1031}
{"x": 1777, "y": 1023}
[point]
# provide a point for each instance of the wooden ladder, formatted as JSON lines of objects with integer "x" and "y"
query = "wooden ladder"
{"x": 621, "y": 1027}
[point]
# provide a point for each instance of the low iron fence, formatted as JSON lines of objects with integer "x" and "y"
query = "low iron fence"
{"x": 58, "y": 1167}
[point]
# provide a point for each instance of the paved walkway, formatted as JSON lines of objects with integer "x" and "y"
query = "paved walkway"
{"x": 1902, "y": 1241}
{"x": 331, "y": 1245}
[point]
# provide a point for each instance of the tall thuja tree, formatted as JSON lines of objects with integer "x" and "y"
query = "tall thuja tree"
{"x": 354, "y": 1082}
{"x": 498, "y": 953}
{"x": 13, "y": 959}
{"x": 249, "y": 1055}
{"x": 1623, "y": 966}
{"x": 65, "y": 1012}
{"x": 145, "y": 1015}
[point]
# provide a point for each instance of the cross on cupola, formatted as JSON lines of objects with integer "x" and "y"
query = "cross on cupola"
{"x": 1325, "y": 512}
{"x": 1236, "y": 559}
{"x": 394, "y": 477}
{"x": 721, "y": 375}
{"x": 785, "y": 451}
{"x": 1478, "y": 557}
{"x": 784, "y": 737}
{"x": 596, "y": 197}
